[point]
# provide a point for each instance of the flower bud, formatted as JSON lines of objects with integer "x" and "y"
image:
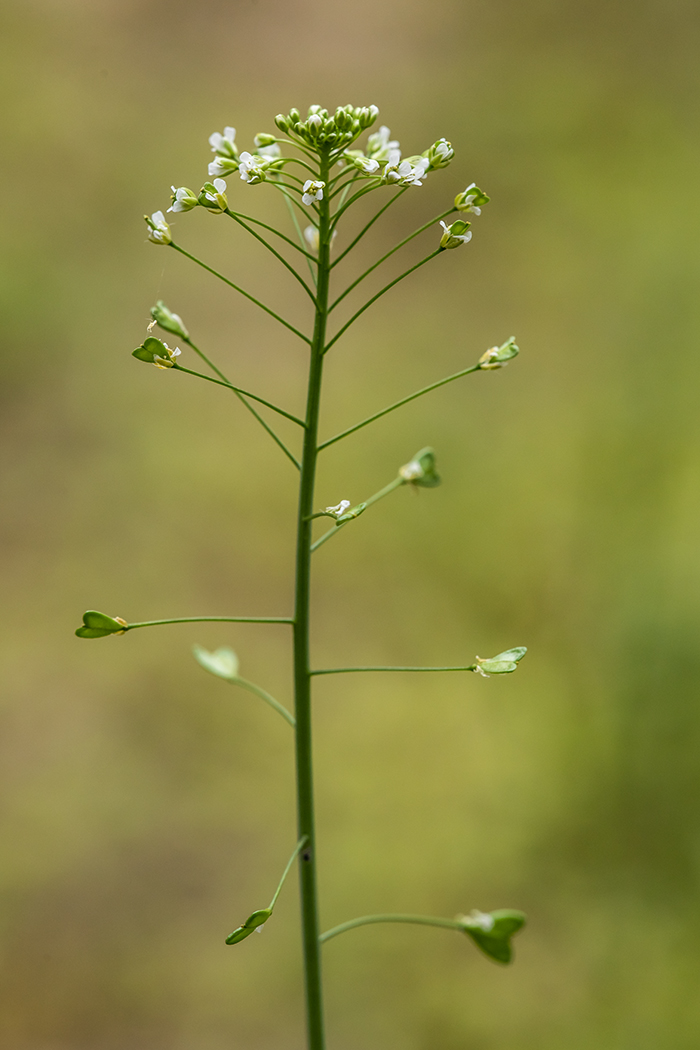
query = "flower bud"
{"x": 158, "y": 229}
{"x": 421, "y": 470}
{"x": 440, "y": 154}
{"x": 294, "y": 116}
{"x": 167, "y": 320}
{"x": 456, "y": 234}
{"x": 222, "y": 166}
{"x": 99, "y": 625}
{"x": 471, "y": 199}
{"x": 183, "y": 199}
{"x": 314, "y": 110}
{"x": 282, "y": 122}
{"x": 265, "y": 139}
{"x": 498, "y": 356}
{"x": 252, "y": 923}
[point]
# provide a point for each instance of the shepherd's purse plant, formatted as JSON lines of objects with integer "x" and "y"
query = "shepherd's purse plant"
{"x": 318, "y": 168}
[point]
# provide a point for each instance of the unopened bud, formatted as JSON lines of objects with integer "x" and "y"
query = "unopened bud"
{"x": 282, "y": 122}
{"x": 252, "y": 923}
{"x": 265, "y": 139}
{"x": 168, "y": 321}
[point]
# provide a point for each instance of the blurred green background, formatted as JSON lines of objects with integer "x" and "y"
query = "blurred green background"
{"x": 146, "y": 807}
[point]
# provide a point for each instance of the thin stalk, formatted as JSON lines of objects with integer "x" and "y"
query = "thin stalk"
{"x": 210, "y": 619}
{"x": 395, "y": 484}
{"x": 396, "y": 247}
{"x": 350, "y": 670}
{"x": 355, "y": 197}
{"x": 266, "y": 226}
{"x": 302, "y": 677}
{"x": 280, "y": 708}
{"x": 368, "y": 920}
{"x": 238, "y": 390}
{"x": 236, "y": 288}
{"x": 299, "y": 847}
{"x": 371, "y": 222}
{"x": 277, "y": 255}
{"x": 297, "y": 203}
{"x": 239, "y": 394}
{"x": 398, "y": 404}
{"x": 311, "y": 260}
{"x": 374, "y": 298}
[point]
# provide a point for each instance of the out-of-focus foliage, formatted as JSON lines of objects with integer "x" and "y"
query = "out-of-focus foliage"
{"x": 146, "y": 805}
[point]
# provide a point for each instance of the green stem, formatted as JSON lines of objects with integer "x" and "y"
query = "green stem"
{"x": 276, "y": 254}
{"x": 368, "y": 920}
{"x": 371, "y": 223}
{"x": 266, "y": 226}
{"x": 374, "y": 298}
{"x": 300, "y": 845}
{"x": 395, "y": 484}
{"x": 280, "y": 708}
{"x": 398, "y": 404}
{"x": 302, "y": 677}
{"x": 238, "y": 390}
{"x": 211, "y": 619}
{"x": 376, "y": 183}
{"x": 350, "y": 670}
{"x": 236, "y": 288}
{"x": 396, "y": 247}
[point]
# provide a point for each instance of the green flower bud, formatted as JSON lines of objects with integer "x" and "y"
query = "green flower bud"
{"x": 440, "y": 154}
{"x": 498, "y": 356}
{"x": 471, "y": 199}
{"x": 99, "y": 625}
{"x": 168, "y": 321}
{"x": 456, "y": 234}
{"x": 294, "y": 116}
{"x": 265, "y": 139}
{"x": 504, "y": 663}
{"x": 282, "y": 122}
{"x": 314, "y": 111}
{"x": 223, "y": 662}
{"x": 492, "y": 931}
{"x": 252, "y": 923}
{"x": 421, "y": 470}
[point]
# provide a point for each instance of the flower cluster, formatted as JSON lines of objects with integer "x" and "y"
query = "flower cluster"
{"x": 321, "y": 130}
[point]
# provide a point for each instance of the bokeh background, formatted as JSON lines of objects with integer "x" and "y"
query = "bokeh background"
{"x": 147, "y": 808}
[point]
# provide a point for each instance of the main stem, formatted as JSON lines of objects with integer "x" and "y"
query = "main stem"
{"x": 302, "y": 669}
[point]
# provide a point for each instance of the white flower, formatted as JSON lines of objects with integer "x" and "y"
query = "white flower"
{"x": 222, "y": 166}
{"x": 224, "y": 145}
{"x": 407, "y": 172}
{"x": 271, "y": 152}
{"x": 252, "y": 169}
{"x": 367, "y": 165}
{"x": 481, "y": 920}
{"x": 379, "y": 146}
{"x": 183, "y": 199}
{"x": 464, "y": 201}
{"x": 311, "y": 237}
{"x": 169, "y": 361}
{"x": 313, "y": 191}
{"x": 215, "y": 195}
{"x": 340, "y": 509}
{"x": 456, "y": 234}
{"x": 440, "y": 153}
{"x": 158, "y": 229}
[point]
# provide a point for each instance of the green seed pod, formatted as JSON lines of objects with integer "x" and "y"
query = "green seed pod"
{"x": 492, "y": 931}
{"x": 99, "y": 625}
{"x": 252, "y": 923}
{"x": 421, "y": 470}
{"x": 223, "y": 662}
{"x": 354, "y": 512}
